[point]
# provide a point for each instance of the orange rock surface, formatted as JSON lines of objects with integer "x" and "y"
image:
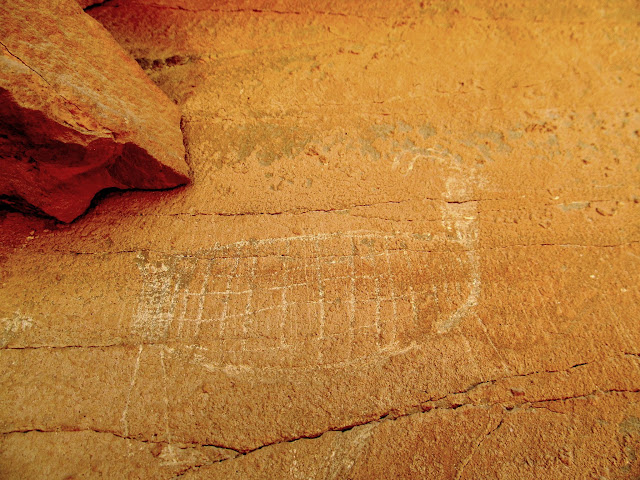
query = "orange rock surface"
{"x": 77, "y": 114}
{"x": 410, "y": 250}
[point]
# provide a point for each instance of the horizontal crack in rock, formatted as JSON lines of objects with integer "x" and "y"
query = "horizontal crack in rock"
{"x": 204, "y": 255}
{"x": 180, "y": 8}
{"x": 387, "y": 417}
{"x": 422, "y": 408}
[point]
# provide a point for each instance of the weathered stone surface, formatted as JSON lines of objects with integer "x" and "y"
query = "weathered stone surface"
{"x": 77, "y": 114}
{"x": 379, "y": 272}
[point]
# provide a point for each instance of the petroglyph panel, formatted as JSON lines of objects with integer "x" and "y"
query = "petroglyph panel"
{"x": 309, "y": 299}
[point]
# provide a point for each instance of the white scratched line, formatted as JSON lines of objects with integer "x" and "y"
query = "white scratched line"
{"x": 166, "y": 310}
{"x": 287, "y": 287}
{"x": 505, "y": 365}
{"x": 201, "y": 300}
{"x": 376, "y": 282}
{"x": 320, "y": 292}
{"x": 308, "y": 300}
{"x": 225, "y": 308}
{"x": 412, "y": 294}
{"x": 320, "y": 302}
{"x": 463, "y": 218}
{"x": 285, "y": 280}
{"x": 247, "y": 309}
{"x": 183, "y": 313}
{"x": 253, "y": 312}
{"x": 166, "y": 408}
{"x": 124, "y": 421}
{"x": 228, "y": 291}
{"x": 278, "y": 347}
{"x": 394, "y": 305}
{"x": 356, "y": 234}
{"x": 172, "y": 308}
{"x": 352, "y": 301}
{"x": 436, "y": 298}
{"x": 225, "y": 300}
{"x": 184, "y": 294}
{"x": 358, "y": 362}
{"x": 141, "y": 313}
{"x": 344, "y": 277}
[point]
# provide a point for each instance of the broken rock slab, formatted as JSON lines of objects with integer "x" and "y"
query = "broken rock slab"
{"x": 77, "y": 114}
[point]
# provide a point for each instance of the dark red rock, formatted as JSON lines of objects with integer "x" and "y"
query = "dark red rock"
{"x": 77, "y": 114}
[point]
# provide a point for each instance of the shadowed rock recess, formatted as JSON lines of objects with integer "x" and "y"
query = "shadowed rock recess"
{"x": 77, "y": 114}
{"x": 411, "y": 250}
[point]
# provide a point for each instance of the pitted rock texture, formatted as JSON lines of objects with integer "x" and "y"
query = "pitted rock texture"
{"x": 77, "y": 114}
{"x": 411, "y": 250}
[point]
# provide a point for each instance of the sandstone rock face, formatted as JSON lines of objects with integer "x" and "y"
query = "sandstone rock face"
{"x": 411, "y": 250}
{"x": 77, "y": 114}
